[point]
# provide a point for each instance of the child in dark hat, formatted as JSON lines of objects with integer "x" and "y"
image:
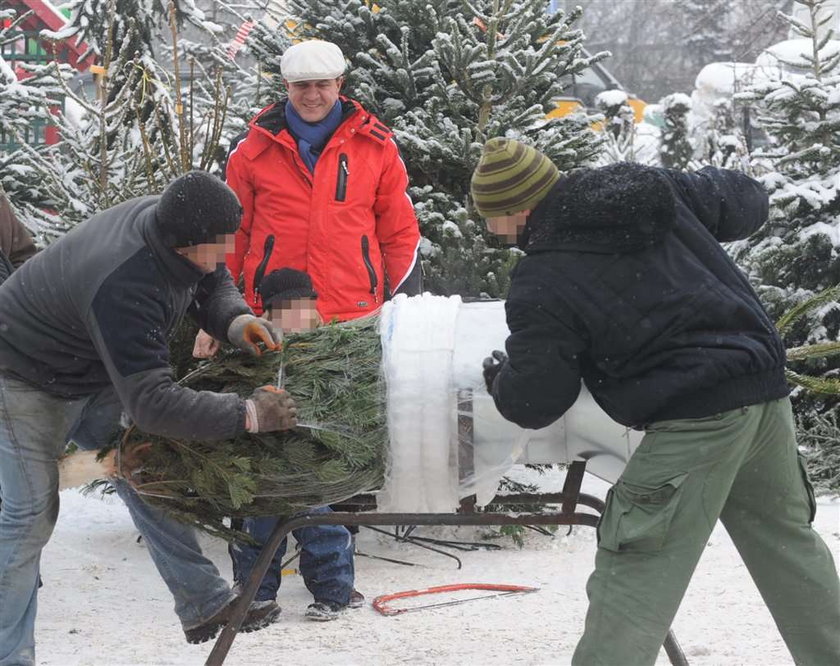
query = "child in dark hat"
{"x": 326, "y": 559}
{"x": 289, "y": 300}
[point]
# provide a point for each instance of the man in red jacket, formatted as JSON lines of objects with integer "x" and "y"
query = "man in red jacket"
{"x": 324, "y": 191}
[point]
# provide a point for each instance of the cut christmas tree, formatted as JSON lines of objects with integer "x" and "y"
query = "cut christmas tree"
{"x": 394, "y": 404}
{"x": 334, "y": 374}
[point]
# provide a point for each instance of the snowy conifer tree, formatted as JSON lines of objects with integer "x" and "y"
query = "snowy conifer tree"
{"x": 676, "y": 149}
{"x": 257, "y": 80}
{"x": 24, "y": 101}
{"x": 143, "y": 128}
{"x": 446, "y": 76}
{"x": 619, "y": 127}
{"x": 795, "y": 255}
{"x": 721, "y": 141}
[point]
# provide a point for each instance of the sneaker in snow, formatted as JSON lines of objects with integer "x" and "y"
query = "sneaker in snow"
{"x": 260, "y": 614}
{"x": 323, "y": 611}
{"x": 357, "y": 599}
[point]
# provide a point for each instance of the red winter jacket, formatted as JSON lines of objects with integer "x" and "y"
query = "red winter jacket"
{"x": 350, "y": 225}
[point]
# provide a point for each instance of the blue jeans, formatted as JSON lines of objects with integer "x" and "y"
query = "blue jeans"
{"x": 326, "y": 559}
{"x": 34, "y": 429}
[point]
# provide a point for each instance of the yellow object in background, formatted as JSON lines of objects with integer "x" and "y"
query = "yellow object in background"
{"x": 638, "y": 107}
{"x": 564, "y": 106}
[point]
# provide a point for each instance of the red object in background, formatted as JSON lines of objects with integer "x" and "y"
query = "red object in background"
{"x": 45, "y": 17}
{"x": 503, "y": 590}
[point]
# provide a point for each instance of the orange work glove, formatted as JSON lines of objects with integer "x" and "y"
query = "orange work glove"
{"x": 270, "y": 408}
{"x": 247, "y": 331}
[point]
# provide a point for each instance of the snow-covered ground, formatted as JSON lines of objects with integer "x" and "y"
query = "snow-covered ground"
{"x": 104, "y": 604}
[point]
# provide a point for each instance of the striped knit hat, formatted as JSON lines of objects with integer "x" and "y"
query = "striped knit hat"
{"x": 510, "y": 177}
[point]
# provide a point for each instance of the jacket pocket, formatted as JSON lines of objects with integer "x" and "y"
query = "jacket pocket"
{"x": 372, "y": 277}
{"x": 341, "y": 179}
{"x": 638, "y": 517}
{"x": 809, "y": 488}
{"x": 259, "y": 273}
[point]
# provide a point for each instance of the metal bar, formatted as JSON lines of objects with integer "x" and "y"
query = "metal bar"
{"x": 387, "y": 559}
{"x": 466, "y": 444}
{"x": 455, "y": 602}
{"x": 367, "y": 502}
{"x": 674, "y": 651}
{"x": 571, "y": 486}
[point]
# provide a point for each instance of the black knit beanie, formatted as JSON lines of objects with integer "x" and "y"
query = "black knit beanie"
{"x": 285, "y": 284}
{"x": 195, "y": 208}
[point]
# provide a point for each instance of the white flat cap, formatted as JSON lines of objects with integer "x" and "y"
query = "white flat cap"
{"x": 312, "y": 60}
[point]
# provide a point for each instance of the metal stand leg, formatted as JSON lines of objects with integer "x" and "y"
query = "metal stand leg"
{"x": 674, "y": 651}
{"x": 240, "y": 610}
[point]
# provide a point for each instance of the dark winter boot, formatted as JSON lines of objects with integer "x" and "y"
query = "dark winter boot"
{"x": 324, "y": 611}
{"x": 260, "y": 614}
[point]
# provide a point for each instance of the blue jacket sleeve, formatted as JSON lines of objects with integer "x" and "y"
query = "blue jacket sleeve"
{"x": 541, "y": 379}
{"x": 730, "y": 204}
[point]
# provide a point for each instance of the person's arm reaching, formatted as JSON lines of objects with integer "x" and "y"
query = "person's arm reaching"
{"x": 129, "y": 335}
{"x": 730, "y": 204}
{"x": 540, "y": 378}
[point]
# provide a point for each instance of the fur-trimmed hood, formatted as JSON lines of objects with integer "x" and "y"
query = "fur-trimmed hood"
{"x": 620, "y": 208}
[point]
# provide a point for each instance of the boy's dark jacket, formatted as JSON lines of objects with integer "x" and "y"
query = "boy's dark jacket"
{"x": 626, "y": 286}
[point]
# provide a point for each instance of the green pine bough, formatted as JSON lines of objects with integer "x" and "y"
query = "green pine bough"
{"x": 816, "y": 384}
{"x": 334, "y": 374}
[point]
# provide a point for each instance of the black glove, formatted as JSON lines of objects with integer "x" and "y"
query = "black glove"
{"x": 492, "y": 365}
{"x": 270, "y": 408}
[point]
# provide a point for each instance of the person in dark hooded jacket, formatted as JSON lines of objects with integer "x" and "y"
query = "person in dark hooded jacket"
{"x": 625, "y": 286}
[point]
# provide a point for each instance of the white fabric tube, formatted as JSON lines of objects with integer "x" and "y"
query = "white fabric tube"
{"x": 432, "y": 349}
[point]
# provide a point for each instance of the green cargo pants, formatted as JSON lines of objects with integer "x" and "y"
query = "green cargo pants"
{"x": 740, "y": 466}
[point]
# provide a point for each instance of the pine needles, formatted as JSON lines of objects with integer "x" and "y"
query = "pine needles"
{"x": 334, "y": 375}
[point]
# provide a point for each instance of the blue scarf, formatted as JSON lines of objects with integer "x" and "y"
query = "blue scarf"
{"x": 312, "y": 137}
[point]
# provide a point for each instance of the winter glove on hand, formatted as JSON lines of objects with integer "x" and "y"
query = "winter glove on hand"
{"x": 247, "y": 330}
{"x": 270, "y": 408}
{"x": 492, "y": 365}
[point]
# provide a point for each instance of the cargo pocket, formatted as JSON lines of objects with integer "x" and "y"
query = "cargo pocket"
{"x": 637, "y": 518}
{"x": 812, "y": 499}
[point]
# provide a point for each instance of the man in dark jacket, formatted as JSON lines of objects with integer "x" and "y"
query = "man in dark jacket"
{"x": 16, "y": 244}
{"x": 83, "y": 335}
{"x": 625, "y": 286}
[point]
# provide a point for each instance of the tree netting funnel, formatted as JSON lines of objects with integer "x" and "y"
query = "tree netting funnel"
{"x": 432, "y": 349}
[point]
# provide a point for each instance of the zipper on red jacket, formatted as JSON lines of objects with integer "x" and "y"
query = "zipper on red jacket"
{"x": 374, "y": 281}
{"x": 343, "y": 174}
